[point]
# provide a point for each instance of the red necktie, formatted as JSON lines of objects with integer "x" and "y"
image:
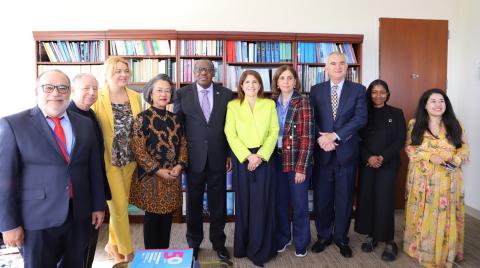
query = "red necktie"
{"x": 62, "y": 143}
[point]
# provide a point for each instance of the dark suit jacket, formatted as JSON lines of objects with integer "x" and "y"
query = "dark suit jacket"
{"x": 90, "y": 114}
{"x": 351, "y": 117}
{"x": 384, "y": 138}
{"x": 34, "y": 175}
{"x": 205, "y": 140}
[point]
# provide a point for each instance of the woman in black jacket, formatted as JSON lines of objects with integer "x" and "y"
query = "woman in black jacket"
{"x": 382, "y": 140}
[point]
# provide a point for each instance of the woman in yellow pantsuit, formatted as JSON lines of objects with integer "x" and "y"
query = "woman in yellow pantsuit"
{"x": 116, "y": 108}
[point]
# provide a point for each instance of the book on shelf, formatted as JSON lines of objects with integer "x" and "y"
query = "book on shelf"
{"x": 133, "y": 210}
{"x": 142, "y": 70}
{"x": 310, "y": 200}
{"x": 230, "y": 203}
{"x": 311, "y": 52}
{"x": 234, "y": 73}
{"x": 229, "y": 180}
{"x": 71, "y": 71}
{"x": 73, "y": 51}
{"x": 312, "y": 75}
{"x": 259, "y": 51}
{"x": 162, "y": 258}
{"x": 143, "y": 47}
{"x": 201, "y": 48}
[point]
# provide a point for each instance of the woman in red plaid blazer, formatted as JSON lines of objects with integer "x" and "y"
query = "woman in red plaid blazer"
{"x": 293, "y": 158}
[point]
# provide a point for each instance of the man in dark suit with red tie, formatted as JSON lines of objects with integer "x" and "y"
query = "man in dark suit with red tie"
{"x": 340, "y": 111}
{"x": 51, "y": 189}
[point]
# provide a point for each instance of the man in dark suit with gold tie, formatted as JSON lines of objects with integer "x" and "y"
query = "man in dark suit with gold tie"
{"x": 51, "y": 190}
{"x": 340, "y": 111}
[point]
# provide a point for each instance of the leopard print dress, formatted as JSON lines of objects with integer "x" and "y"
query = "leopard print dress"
{"x": 158, "y": 141}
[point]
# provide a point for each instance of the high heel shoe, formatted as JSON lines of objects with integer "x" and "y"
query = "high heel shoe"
{"x": 112, "y": 251}
{"x": 128, "y": 258}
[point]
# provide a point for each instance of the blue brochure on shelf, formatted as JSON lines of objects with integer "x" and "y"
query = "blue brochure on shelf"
{"x": 156, "y": 258}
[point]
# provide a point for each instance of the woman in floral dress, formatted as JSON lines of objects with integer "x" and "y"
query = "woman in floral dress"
{"x": 435, "y": 211}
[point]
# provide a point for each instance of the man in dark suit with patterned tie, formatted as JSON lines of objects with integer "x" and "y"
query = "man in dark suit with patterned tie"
{"x": 202, "y": 107}
{"x": 340, "y": 111}
{"x": 51, "y": 190}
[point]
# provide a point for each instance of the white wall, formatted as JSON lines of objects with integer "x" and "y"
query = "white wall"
{"x": 316, "y": 16}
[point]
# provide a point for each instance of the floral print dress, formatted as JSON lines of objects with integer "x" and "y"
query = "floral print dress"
{"x": 435, "y": 210}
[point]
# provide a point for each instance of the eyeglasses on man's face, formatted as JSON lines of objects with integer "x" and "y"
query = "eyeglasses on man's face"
{"x": 203, "y": 69}
{"x": 62, "y": 89}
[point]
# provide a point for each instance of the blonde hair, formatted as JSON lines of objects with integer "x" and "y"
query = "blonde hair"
{"x": 110, "y": 65}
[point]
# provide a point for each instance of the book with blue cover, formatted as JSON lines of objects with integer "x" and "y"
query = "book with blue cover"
{"x": 163, "y": 258}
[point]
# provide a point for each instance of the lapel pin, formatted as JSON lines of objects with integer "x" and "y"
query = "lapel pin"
{"x": 390, "y": 120}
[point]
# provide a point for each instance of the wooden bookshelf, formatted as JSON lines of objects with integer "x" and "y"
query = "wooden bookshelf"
{"x": 201, "y": 45}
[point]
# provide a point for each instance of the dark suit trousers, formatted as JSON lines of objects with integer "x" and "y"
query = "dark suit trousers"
{"x": 375, "y": 202}
{"x": 216, "y": 193}
{"x": 333, "y": 187}
{"x": 61, "y": 246}
{"x": 255, "y": 235}
{"x": 91, "y": 247}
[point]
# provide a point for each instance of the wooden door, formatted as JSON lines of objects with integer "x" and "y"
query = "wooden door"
{"x": 413, "y": 58}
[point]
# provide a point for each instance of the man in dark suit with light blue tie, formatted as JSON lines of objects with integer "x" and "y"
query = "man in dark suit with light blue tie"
{"x": 340, "y": 111}
{"x": 51, "y": 188}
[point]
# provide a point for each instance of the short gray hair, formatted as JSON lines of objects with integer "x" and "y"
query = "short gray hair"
{"x": 80, "y": 76}
{"x": 147, "y": 90}
{"x": 52, "y": 71}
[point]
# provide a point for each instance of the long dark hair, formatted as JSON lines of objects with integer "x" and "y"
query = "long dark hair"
{"x": 452, "y": 126}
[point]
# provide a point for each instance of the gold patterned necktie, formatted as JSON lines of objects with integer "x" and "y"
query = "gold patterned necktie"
{"x": 334, "y": 98}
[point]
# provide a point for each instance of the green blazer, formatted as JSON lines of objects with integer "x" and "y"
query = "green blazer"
{"x": 246, "y": 129}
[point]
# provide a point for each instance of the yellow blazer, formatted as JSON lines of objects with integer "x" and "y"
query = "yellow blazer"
{"x": 246, "y": 129}
{"x": 104, "y": 113}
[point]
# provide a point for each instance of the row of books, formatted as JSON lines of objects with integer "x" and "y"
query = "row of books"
{"x": 311, "y": 75}
{"x": 234, "y": 73}
{"x": 69, "y": 51}
{"x": 201, "y": 48}
{"x": 143, "y": 47}
{"x": 187, "y": 68}
{"x": 206, "y": 212}
{"x": 145, "y": 69}
{"x": 71, "y": 70}
{"x": 309, "y": 52}
{"x": 228, "y": 180}
{"x": 242, "y": 51}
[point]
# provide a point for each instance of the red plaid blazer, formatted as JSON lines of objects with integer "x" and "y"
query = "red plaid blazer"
{"x": 298, "y": 135}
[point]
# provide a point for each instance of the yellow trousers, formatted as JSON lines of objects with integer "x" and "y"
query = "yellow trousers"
{"x": 119, "y": 179}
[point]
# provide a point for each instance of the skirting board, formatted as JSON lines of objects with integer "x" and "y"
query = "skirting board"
{"x": 472, "y": 212}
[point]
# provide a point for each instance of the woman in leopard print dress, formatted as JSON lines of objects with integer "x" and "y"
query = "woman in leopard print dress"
{"x": 160, "y": 149}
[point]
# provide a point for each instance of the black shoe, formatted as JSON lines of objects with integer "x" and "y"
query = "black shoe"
{"x": 345, "y": 250}
{"x": 390, "y": 252}
{"x": 223, "y": 253}
{"x": 369, "y": 245}
{"x": 195, "y": 253}
{"x": 320, "y": 245}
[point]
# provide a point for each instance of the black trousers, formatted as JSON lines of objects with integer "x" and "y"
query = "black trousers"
{"x": 375, "y": 201}
{"x": 91, "y": 247}
{"x": 215, "y": 182}
{"x": 56, "y": 247}
{"x": 255, "y": 225}
{"x": 156, "y": 230}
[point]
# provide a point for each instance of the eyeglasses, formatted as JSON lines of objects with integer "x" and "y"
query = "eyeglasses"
{"x": 62, "y": 89}
{"x": 202, "y": 69}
